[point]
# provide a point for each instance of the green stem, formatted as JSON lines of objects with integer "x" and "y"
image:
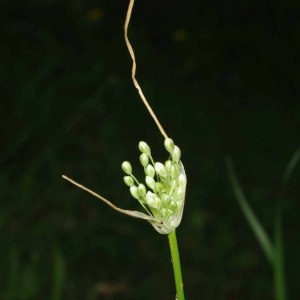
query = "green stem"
{"x": 176, "y": 265}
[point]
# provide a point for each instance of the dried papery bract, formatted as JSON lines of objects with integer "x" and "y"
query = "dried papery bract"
{"x": 131, "y": 213}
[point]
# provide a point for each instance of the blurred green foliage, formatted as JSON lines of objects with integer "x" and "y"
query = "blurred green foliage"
{"x": 223, "y": 79}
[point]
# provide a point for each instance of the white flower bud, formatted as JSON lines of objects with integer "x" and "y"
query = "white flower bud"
{"x": 144, "y": 148}
{"x": 150, "y": 171}
{"x": 176, "y": 154}
{"x": 128, "y": 180}
{"x": 126, "y": 167}
{"x": 144, "y": 159}
{"x": 134, "y": 192}
{"x": 150, "y": 182}
{"x": 160, "y": 169}
{"x": 169, "y": 145}
{"x": 152, "y": 200}
{"x": 168, "y": 165}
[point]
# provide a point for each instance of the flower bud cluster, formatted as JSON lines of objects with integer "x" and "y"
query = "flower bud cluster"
{"x": 163, "y": 193}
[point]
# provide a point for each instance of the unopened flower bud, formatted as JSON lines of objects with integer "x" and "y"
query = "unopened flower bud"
{"x": 144, "y": 159}
{"x": 169, "y": 145}
{"x": 150, "y": 171}
{"x": 150, "y": 182}
{"x": 160, "y": 169}
{"x": 152, "y": 200}
{"x": 134, "y": 192}
{"x": 126, "y": 167}
{"x": 142, "y": 190}
{"x": 144, "y": 148}
{"x": 176, "y": 154}
{"x": 128, "y": 180}
{"x": 168, "y": 165}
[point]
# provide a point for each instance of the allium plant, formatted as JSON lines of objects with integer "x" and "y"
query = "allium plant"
{"x": 162, "y": 194}
{"x": 162, "y": 197}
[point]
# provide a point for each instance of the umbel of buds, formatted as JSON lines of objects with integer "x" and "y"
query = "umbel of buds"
{"x": 162, "y": 195}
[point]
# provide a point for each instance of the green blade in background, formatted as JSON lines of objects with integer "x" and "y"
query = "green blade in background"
{"x": 278, "y": 267}
{"x": 256, "y": 226}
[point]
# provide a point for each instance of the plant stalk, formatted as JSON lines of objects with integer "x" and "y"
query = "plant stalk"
{"x": 176, "y": 265}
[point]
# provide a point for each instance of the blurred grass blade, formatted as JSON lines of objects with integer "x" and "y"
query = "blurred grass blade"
{"x": 290, "y": 168}
{"x": 279, "y": 278}
{"x": 256, "y": 226}
{"x": 58, "y": 275}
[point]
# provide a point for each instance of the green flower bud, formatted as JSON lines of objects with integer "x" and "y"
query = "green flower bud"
{"x": 169, "y": 145}
{"x": 144, "y": 159}
{"x": 144, "y": 148}
{"x": 126, "y": 167}
{"x": 134, "y": 192}
{"x": 150, "y": 182}
{"x": 141, "y": 190}
{"x": 176, "y": 154}
{"x": 160, "y": 169}
{"x": 128, "y": 180}
{"x": 149, "y": 171}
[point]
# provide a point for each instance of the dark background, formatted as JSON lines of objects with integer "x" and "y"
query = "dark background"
{"x": 222, "y": 77}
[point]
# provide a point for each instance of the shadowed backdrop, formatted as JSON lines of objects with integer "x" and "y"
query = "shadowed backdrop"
{"x": 222, "y": 79}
